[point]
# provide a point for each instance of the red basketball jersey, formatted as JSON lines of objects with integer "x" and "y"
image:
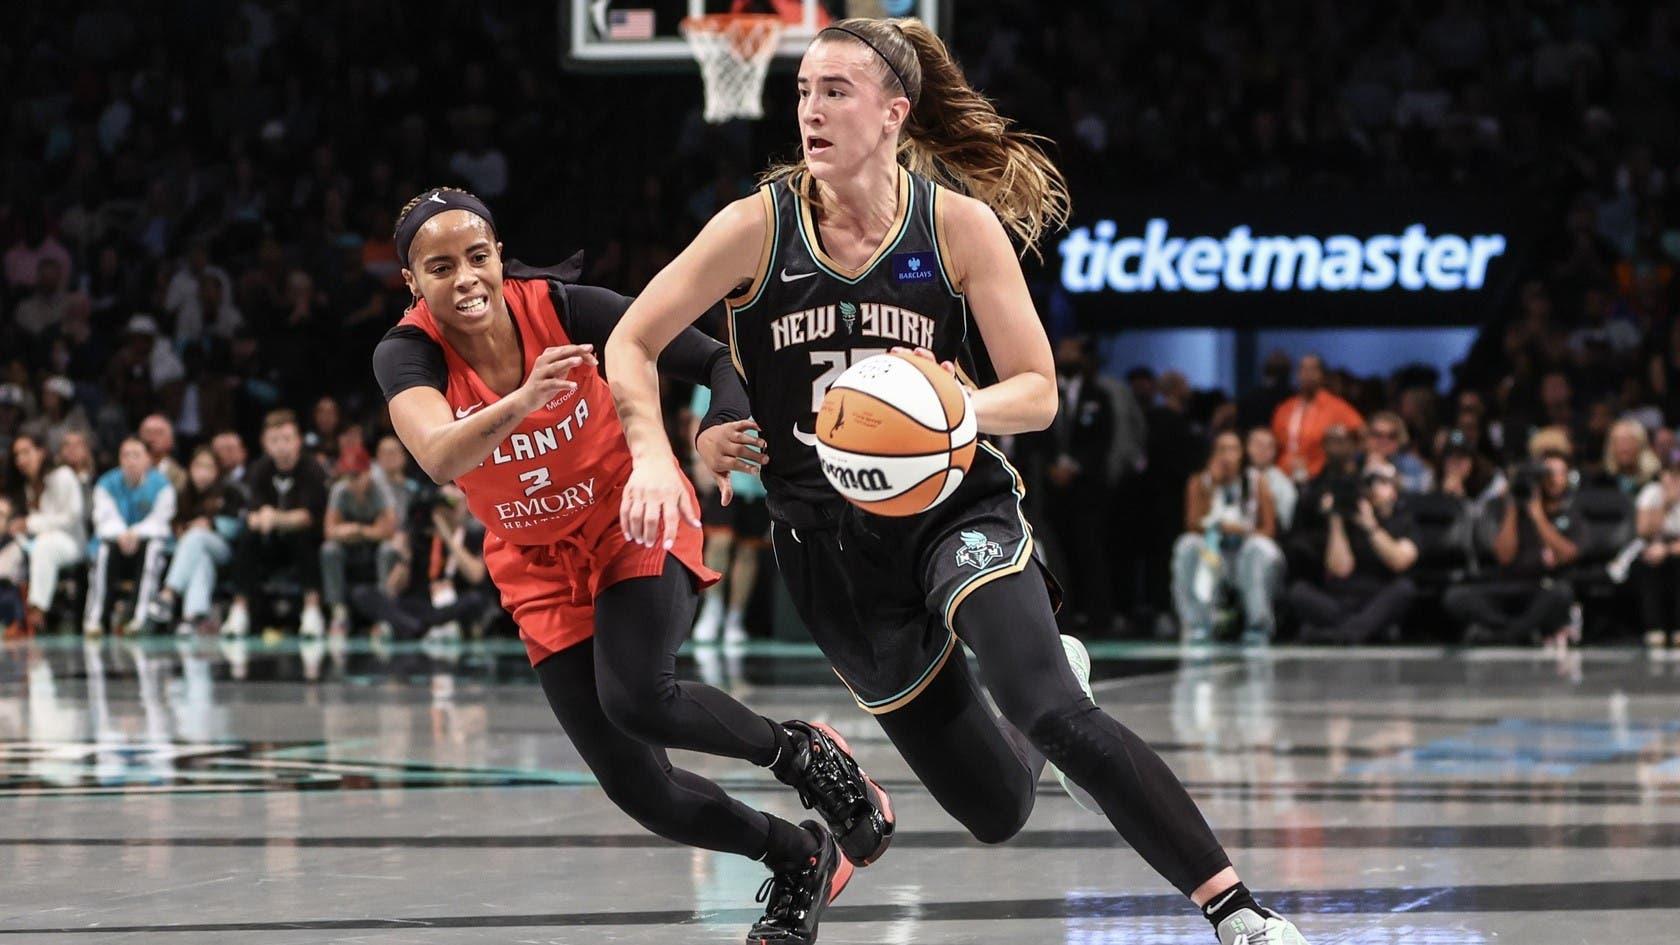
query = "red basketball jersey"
{"x": 563, "y": 458}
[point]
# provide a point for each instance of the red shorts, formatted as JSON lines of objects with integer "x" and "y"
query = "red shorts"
{"x": 550, "y": 589}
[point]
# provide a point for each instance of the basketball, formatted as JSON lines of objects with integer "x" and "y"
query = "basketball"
{"x": 895, "y": 434}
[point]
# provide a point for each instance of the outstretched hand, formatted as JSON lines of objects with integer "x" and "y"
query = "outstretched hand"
{"x": 731, "y": 447}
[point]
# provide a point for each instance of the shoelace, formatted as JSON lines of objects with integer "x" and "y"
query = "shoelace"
{"x": 789, "y": 897}
{"x": 833, "y": 781}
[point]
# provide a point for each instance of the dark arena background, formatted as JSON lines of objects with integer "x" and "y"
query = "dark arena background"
{"x": 1364, "y": 491}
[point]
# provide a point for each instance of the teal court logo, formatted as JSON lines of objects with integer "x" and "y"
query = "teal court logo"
{"x": 47, "y": 768}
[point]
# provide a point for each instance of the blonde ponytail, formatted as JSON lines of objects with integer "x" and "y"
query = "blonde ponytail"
{"x": 954, "y": 134}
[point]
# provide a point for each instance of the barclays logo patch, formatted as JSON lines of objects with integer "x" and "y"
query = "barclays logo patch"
{"x": 913, "y": 267}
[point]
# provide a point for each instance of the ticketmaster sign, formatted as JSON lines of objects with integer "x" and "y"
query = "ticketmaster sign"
{"x": 1093, "y": 260}
{"x": 1351, "y": 260}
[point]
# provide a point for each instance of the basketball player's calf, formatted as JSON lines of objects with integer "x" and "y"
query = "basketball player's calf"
{"x": 1010, "y": 626}
{"x": 635, "y": 670}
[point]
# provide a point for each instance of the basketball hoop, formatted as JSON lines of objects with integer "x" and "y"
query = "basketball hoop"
{"x": 734, "y": 52}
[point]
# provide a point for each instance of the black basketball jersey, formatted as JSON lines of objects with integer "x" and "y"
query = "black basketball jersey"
{"x": 805, "y": 319}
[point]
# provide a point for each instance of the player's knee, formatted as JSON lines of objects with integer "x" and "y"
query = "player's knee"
{"x": 645, "y": 800}
{"x": 1003, "y": 818}
{"x": 642, "y": 711}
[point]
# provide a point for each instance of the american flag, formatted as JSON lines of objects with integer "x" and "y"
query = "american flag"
{"x": 630, "y": 24}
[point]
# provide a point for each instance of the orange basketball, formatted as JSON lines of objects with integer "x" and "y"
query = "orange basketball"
{"x": 895, "y": 434}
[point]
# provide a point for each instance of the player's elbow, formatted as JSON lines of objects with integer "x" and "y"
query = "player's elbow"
{"x": 1042, "y": 406}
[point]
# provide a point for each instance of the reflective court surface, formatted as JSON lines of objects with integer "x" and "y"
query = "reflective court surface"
{"x": 157, "y": 791}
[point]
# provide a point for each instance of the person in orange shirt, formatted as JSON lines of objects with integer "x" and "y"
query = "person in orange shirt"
{"x": 1299, "y": 422}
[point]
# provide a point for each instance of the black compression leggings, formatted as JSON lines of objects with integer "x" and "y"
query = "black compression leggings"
{"x": 639, "y": 625}
{"x": 675, "y": 804}
{"x": 983, "y": 773}
{"x": 617, "y": 697}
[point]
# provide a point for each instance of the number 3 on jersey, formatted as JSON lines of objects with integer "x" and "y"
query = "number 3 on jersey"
{"x": 538, "y": 479}
{"x": 834, "y": 364}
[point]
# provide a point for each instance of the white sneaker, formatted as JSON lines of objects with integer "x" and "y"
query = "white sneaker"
{"x": 238, "y": 622}
{"x": 1247, "y": 927}
{"x": 710, "y": 621}
{"x": 1080, "y": 659}
{"x": 92, "y": 630}
{"x": 185, "y": 628}
{"x": 313, "y": 624}
{"x": 734, "y": 631}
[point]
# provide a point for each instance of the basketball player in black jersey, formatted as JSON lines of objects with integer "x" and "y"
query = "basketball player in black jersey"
{"x": 895, "y": 231}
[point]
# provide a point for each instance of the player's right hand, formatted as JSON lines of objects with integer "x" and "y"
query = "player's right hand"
{"x": 549, "y": 375}
{"x": 731, "y": 447}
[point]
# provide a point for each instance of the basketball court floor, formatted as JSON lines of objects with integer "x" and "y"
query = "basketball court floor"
{"x": 159, "y": 792}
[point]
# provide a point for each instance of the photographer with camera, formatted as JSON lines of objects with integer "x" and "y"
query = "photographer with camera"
{"x": 439, "y": 579}
{"x": 1369, "y": 547}
{"x": 1528, "y": 598}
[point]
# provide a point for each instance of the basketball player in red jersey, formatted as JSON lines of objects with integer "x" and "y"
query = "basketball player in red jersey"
{"x": 894, "y": 230}
{"x": 492, "y": 382}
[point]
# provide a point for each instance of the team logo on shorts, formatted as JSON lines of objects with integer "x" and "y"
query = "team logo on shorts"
{"x": 978, "y": 551}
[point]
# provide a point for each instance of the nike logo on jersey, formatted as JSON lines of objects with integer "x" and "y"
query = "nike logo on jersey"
{"x": 791, "y": 277}
{"x": 809, "y": 439}
{"x": 462, "y": 412}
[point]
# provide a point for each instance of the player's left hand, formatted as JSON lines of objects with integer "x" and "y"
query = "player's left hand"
{"x": 950, "y": 368}
{"x": 731, "y": 447}
{"x": 656, "y": 499}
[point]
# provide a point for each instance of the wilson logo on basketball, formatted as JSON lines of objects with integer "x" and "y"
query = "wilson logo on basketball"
{"x": 859, "y": 480}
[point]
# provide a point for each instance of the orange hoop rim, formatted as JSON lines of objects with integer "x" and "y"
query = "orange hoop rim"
{"x": 718, "y": 22}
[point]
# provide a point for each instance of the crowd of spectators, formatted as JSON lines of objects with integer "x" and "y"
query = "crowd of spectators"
{"x": 195, "y": 216}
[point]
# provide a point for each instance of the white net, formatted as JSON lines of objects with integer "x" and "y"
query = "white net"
{"x": 734, "y": 53}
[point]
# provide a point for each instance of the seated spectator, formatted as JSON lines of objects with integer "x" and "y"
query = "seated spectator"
{"x": 359, "y": 523}
{"x": 322, "y": 438}
{"x": 75, "y": 453}
{"x": 1303, "y": 546}
{"x": 1371, "y": 544}
{"x": 1657, "y": 572}
{"x": 439, "y": 577}
{"x": 1262, "y": 456}
{"x": 391, "y": 472}
{"x": 159, "y": 436}
{"x": 1628, "y": 458}
{"x": 133, "y": 506}
{"x": 1527, "y": 598}
{"x": 11, "y": 576}
{"x": 1301, "y": 422}
{"x": 1465, "y": 472}
{"x": 59, "y": 412}
{"x": 285, "y": 499}
{"x": 49, "y": 525}
{"x": 207, "y": 522}
{"x": 229, "y": 448}
{"x": 1387, "y": 443}
{"x": 1230, "y": 524}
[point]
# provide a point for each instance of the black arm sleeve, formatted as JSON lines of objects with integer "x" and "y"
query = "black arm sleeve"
{"x": 589, "y": 314}
{"x": 408, "y": 357}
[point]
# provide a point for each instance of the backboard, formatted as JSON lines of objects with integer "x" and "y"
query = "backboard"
{"x": 643, "y": 36}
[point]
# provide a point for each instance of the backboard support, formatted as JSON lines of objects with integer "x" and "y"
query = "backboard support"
{"x": 643, "y": 35}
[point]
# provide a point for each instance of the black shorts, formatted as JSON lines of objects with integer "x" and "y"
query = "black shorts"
{"x": 746, "y": 519}
{"x": 880, "y": 595}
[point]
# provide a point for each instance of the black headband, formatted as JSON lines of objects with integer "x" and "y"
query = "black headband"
{"x": 435, "y": 203}
{"x": 883, "y": 56}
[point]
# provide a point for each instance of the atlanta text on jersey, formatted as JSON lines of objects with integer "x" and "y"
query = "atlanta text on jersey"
{"x": 522, "y": 446}
{"x": 868, "y": 319}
